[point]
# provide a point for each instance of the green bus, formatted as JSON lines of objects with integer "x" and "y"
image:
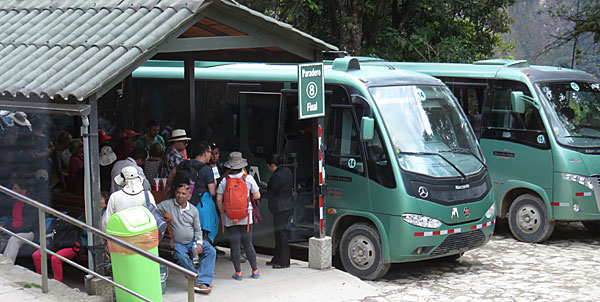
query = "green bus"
{"x": 539, "y": 129}
{"x": 405, "y": 178}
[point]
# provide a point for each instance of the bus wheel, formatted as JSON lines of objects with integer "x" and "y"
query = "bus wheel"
{"x": 527, "y": 219}
{"x": 592, "y": 225}
{"x": 361, "y": 252}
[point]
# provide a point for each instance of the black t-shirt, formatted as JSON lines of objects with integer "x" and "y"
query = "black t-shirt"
{"x": 205, "y": 177}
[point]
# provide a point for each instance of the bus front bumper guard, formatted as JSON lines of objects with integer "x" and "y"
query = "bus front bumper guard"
{"x": 456, "y": 230}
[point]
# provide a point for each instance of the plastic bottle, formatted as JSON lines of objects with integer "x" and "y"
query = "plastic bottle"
{"x": 195, "y": 258}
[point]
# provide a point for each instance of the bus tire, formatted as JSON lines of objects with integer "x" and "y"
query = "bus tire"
{"x": 361, "y": 252}
{"x": 528, "y": 219}
{"x": 592, "y": 225}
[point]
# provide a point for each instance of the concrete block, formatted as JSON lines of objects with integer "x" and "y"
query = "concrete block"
{"x": 99, "y": 287}
{"x": 319, "y": 253}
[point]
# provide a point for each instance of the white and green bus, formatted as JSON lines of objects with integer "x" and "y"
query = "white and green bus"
{"x": 405, "y": 177}
{"x": 539, "y": 129}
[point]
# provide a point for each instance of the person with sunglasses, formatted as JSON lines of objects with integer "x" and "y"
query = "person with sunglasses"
{"x": 187, "y": 232}
{"x": 176, "y": 152}
{"x": 198, "y": 174}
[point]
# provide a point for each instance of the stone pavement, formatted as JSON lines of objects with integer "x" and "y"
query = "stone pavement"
{"x": 298, "y": 283}
{"x": 564, "y": 268}
{"x": 20, "y": 284}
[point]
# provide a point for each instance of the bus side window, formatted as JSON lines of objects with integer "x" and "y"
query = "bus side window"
{"x": 505, "y": 123}
{"x": 344, "y": 143}
{"x": 344, "y": 149}
{"x": 378, "y": 164}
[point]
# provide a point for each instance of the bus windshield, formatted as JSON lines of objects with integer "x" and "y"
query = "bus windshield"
{"x": 575, "y": 112}
{"x": 430, "y": 133}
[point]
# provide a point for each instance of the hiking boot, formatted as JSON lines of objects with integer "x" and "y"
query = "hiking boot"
{"x": 238, "y": 276}
{"x": 255, "y": 274}
{"x": 203, "y": 288}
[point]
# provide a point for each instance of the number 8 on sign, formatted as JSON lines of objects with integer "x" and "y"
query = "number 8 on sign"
{"x": 311, "y": 90}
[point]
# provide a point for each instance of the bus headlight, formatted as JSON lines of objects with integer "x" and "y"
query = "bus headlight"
{"x": 491, "y": 211}
{"x": 582, "y": 180}
{"x": 422, "y": 221}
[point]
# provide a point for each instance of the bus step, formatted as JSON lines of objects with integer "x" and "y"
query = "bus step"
{"x": 300, "y": 244}
{"x": 304, "y": 226}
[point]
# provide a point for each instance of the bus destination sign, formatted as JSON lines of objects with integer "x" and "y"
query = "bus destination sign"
{"x": 311, "y": 99}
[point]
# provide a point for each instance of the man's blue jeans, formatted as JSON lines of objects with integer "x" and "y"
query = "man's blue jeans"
{"x": 207, "y": 263}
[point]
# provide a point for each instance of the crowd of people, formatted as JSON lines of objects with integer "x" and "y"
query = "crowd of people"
{"x": 203, "y": 193}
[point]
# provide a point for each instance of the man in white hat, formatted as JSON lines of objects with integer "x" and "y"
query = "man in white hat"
{"x": 136, "y": 160}
{"x": 132, "y": 194}
{"x": 176, "y": 153}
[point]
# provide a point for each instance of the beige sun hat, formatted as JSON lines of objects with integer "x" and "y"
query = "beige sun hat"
{"x": 107, "y": 156}
{"x": 179, "y": 135}
{"x": 235, "y": 161}
{"x": 130, "y": 180}
{"x": 20, "y": 118}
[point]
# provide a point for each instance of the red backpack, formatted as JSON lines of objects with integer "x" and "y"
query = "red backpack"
{"x": 235, "y": 200}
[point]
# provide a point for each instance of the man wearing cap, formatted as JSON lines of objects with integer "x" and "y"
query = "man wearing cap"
{"x": 125, "y": 147}
{"x": 132, "y": 194}
{"x": 151, "y": 136}
{"x": 136, "y": 160}
{"x": 176, "y": 153}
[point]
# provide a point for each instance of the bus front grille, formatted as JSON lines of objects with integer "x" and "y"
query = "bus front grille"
{"x": 460, "y": 242}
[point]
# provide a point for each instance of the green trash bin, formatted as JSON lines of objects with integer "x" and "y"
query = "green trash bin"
{"x": 138, "y": 273}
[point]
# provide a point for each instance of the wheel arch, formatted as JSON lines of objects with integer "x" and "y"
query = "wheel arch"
{"x": 345, "y": 220}
{"x": 514, "y": 189}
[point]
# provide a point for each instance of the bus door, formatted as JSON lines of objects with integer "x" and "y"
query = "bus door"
{"x": 470, "y": 96}
{"x": 514, "y": 144}
{"x": 296, "y": 144}
{"x": 346, "y": 166}
{"x": 258, "y": 128}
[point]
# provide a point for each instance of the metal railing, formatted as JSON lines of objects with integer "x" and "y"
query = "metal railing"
{"x": 42, "y": 209}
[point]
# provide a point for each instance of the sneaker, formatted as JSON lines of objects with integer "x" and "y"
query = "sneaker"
{"x": 255, "y": 274}
{"x": 238, "y": 276}
{"x": 203, "y": 288}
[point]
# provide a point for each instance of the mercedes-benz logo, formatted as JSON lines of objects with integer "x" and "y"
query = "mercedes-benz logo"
{"x": 423, "y": 192}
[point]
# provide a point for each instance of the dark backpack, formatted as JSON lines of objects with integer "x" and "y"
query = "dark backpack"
{"x": 63, "y": 235}
{"x": 187, "y": 172}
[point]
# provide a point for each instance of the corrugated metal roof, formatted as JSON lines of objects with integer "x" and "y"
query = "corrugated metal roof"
{"x": 71, "y": 48}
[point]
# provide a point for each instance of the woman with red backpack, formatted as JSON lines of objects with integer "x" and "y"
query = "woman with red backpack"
{"x": 233, "y": 201}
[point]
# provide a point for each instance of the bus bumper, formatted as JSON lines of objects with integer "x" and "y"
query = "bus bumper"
{"x": 418, "y": 243}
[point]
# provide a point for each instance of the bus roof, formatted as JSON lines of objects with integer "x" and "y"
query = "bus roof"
{"x": 493, "y": 69}
{"x": 278, "y": 72}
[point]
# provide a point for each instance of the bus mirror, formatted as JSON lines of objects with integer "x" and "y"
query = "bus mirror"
{"x": 518, "y": 104}
{"x": 367, "y": 127}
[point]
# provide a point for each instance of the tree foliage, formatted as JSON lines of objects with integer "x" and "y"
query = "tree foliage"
{"x": 584, "y": 15}
{"x": 426, "y": 30}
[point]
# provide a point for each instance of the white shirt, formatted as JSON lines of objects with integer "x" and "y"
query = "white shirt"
{"x": 118, "y": 166}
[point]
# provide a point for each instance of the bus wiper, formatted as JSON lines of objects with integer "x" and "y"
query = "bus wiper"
{"x": 436, "y": 154}
{"x": 465, "y": 151}
{"x": 584, "y": 136}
